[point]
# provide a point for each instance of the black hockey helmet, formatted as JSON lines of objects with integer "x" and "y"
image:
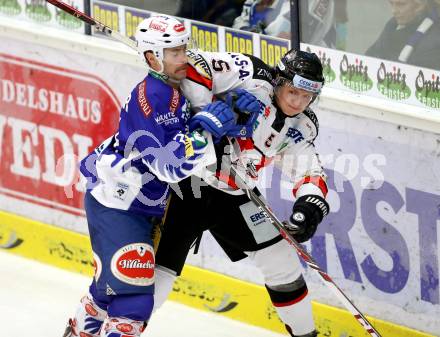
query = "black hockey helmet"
{"x": 300, "y": 69}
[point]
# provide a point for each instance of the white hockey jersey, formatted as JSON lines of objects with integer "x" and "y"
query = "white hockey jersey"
{"x": 285, "y": 141}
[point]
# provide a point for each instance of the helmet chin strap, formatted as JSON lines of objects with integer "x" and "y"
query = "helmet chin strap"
{"x": 160, "y": 73}
{"x": 172, "y": 80}
{"x": 162, "y": 68}
{"x": 164, "y": 77}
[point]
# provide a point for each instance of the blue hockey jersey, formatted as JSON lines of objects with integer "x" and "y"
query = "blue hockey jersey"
{"x": 132, "y": 169}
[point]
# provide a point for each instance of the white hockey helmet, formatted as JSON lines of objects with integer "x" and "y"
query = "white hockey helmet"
{"x": 159, "y": 32}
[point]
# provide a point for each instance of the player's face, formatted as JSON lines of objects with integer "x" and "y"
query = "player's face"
{"x": 175, "y": 62}
{"x": 404, "y": 11}
{"x": 292, "y": 100}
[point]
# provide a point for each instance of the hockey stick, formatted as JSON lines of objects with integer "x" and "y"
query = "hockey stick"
{"x": 256, "y": 197}
{"x": 93, "y": 22}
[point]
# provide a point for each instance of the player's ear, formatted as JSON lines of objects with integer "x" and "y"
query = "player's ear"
{"x": 151, "y": 60}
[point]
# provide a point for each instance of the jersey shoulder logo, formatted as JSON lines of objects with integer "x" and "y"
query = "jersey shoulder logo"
{"x": 311, "y": 115}
{"x": 261, "y": 70}
{"x": 142, "y": 99}
{"x": 174, "y": 102}
{"x": 200, "y": 64}
{"x": 193, "y": 75}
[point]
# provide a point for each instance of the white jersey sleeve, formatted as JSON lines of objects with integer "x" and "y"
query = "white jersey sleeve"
{"x": 211, "y": 74}
{"x": 300, "y": 162}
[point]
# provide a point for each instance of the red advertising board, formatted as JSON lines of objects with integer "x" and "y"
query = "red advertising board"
{"x": 50, "y": 117}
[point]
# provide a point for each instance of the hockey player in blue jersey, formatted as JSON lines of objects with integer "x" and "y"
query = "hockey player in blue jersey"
{"x": 128, "y": 182}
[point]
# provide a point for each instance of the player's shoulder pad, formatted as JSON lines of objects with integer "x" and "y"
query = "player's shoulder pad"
{"x": 312, "y": 116}
{"x": 261, "y": 70}
{"x": 199, "y": 63}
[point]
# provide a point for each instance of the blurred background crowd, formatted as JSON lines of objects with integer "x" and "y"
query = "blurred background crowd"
{"x": 407, "y": 31}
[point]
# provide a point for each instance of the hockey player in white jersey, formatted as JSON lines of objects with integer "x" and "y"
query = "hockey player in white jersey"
{"x": 128, "y": 179}
{"x": 282, "y": 133}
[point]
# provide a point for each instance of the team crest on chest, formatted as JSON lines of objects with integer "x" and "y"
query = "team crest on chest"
{"x": 295, "y": 134}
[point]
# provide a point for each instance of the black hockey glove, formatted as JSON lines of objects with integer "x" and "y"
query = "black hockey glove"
{"x": 308, "y": 211}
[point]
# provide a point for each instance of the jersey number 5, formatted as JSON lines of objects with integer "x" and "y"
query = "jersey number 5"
{"x": 220, "y": 66}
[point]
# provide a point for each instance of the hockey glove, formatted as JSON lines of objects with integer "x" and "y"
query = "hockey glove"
{"x": 308, "y": 211}
{"x": 248, "y": 108}
{"x": 216, "y": 118}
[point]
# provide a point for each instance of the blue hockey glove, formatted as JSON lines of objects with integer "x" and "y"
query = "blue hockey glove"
{"x": 243, "y": 101}
{"x": 248, "y": 108}
{"x": 216, "y": 118}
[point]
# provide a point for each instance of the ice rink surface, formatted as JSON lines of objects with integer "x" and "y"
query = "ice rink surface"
{"x": 36, "y": 301}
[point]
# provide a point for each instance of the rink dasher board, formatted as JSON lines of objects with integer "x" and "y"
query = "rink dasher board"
{"x": 198, "y": 288}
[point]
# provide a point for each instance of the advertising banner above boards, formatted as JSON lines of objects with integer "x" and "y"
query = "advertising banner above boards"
{"x": 345, "y": 71}
{"x": 358, "y": 74}
{"x": 43, "y": 12}
{"x": 207, "y": 36}
{"x": 380, "y": 78}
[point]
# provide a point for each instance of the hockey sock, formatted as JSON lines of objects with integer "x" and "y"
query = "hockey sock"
{"x": 293, "y": 305}
{"x": 88, "y": 319}
{"x": 127, "y": 315}
{"x": 122, "y": 327}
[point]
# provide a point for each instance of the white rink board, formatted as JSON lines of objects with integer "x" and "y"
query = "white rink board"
{"x": 373, "y": 223}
